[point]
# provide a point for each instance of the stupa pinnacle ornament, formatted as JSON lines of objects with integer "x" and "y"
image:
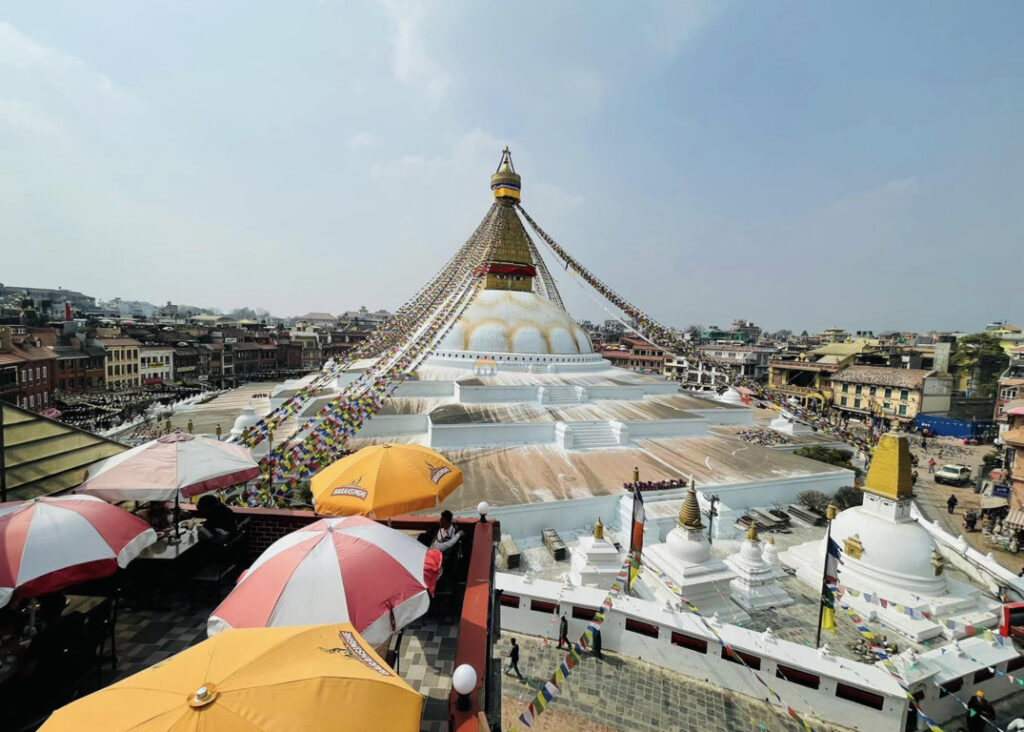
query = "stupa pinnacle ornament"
{"x": 689, "y": 512}
{"x": 506, "y": 183}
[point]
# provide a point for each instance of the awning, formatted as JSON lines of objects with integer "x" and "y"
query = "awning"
{"x": 149, "y": 382}
{"x": 1015, "y": 518}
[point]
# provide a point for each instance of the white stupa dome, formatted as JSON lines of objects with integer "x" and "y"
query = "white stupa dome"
{"x": 689, "y": 547}
{"x": 245, "y": 420}
{"x": 770, "y": 554}
{"x": 506, "y": 321}
{"x": 731, "y": 396}
{"x": 896, "y": 553}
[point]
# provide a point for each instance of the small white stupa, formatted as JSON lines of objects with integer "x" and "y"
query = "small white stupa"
{"x": 686, "y": 559}
{"x": 887, "y": 555}
{"x": 770, "y": 553}
{"x": 756, "y": 585}
{"x": 787, "y": 423}
{"x": 595, "y": 562}
{"x": 245, "y": 420}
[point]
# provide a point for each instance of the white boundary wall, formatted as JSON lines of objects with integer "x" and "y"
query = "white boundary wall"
{"x": 684, "y": 645}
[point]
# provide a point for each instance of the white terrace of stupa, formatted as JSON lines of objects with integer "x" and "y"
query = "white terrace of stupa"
{"x": 515, "y": 396}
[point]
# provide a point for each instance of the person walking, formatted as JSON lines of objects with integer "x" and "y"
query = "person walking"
{"x": 951, "y": 503}
{"x": 931, "y": 465}
{"x": 979, "y": 712}
{"x": 563, "y": 632}
{"x": 513, "y": 656}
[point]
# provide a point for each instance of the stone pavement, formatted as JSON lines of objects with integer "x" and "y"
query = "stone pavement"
{"x": 621, "y": 693}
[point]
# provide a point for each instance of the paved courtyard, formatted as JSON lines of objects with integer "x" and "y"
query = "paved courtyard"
{"x": 620, "y": 693}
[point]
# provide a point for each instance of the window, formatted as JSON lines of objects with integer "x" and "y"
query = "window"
{"x": 842, "y": 401}
{"x": 583, "y": 613}
{"x": 44, "y": 374}
{"x": 888, "y": 392}
{"x": 856, "y": 403}
{"x": 888, "y": 405}
{"x": 796, "y": 676}
{"x": 859, "y": 389}
{"x": 871, "y": 391}
{"x": 641, "y": 628}
{"x": 31, "y": 401}
{"x": 951, "y": 687}
{"x": 110, "y": 370}
{"x": 903, "y": 410}
{"x": 37, "y": 374}
{"x": 508, "y": 600}
{"x": 1015, "y": 663}
{"x": 740, "y": 657}
{"x": 846, "y": 388}
{"x": 860, "y": 696}
{"x": 695, "y": 644}
{"x": 983, "y": 674}
{"x": 904, "y": 394}
{"x": 543, "y": 607}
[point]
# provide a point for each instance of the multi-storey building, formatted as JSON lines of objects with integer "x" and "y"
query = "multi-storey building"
{"x": 808, "y": 376}
{"x": 156, "y": 364}
{"x": 79, "y": 367}
{"x": 32, "y": 365}
{"x": 1011, "y": 388}
{"x": 121, "y": 360}
{"x": 899, "y": 394}
{"x": 637, "y": 354}
{"x": 186, "y": 364}
{"x": 751, "y": 362}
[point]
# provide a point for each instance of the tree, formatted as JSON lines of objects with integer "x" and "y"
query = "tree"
{"x": 814, "y": 500}
{"x": 831, "y": 456}
{"x": 981, "y": 360}
{"x": 848, "y": 496}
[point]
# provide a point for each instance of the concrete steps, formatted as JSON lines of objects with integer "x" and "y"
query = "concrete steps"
{"x": 587, "y": 436}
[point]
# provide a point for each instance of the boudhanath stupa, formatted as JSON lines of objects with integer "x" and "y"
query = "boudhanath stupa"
{"x": 514, "y": 394}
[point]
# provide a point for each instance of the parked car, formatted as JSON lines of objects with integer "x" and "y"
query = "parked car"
{"x": 953, "y": 475}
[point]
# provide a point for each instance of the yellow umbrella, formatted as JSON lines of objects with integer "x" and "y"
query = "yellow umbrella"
{"x": 321, "y": 677}
{"x": 384, "y": 480}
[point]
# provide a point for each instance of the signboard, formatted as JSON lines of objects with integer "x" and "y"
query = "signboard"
{"x": 1001, "y": 490}
{"x": 204, "y": 378}
{"x": 231, "y": 340}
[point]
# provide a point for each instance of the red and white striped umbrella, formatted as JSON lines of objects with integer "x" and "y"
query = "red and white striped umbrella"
{"x": 335, "y": 570}
{"x": 51, "y": 543}
{"x": 158, "y": 469}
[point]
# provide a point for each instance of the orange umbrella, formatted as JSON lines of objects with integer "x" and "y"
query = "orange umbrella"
{"x": 323, "y": 677}
{"x": 384, "y": 480}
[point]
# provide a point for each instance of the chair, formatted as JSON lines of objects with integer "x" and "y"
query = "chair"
{"x": 225, "y": 556}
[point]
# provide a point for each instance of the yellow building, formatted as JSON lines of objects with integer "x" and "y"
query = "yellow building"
{"x": 121, "y": 362}
{"x": 808, "y": 376}
{"x": 899, "y": 394}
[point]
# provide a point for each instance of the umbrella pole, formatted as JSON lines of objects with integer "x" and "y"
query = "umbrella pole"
{"x": 177, "y": 513}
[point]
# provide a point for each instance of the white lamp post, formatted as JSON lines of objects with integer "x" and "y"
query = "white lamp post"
{"x": 464, "y": 682}
{"x": 483, "y": 508}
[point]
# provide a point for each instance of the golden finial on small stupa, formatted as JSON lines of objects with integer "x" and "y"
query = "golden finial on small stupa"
{"x": 599, "y": 529}
{"x": 689, "y": 512}
{"x": 752, "y": 531}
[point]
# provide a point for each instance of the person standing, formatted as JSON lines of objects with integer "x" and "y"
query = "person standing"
{"x": 513, "y": 656}
{"x": 951, "y": 503}
{"x": 983, "y": 712}
{"x": 931, "y": 465}
{"x": 563, "y": 632}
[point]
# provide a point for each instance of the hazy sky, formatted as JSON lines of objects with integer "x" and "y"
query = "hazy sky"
{"x": 801, "y": 164}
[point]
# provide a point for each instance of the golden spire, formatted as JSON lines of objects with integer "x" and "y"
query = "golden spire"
{"x": 506, "y": 183}
{"x": 689, "y": 512}
{"x": 752, "y": 531}
{"x": 890, "y": 473}
{"x": 599, "y": 529}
